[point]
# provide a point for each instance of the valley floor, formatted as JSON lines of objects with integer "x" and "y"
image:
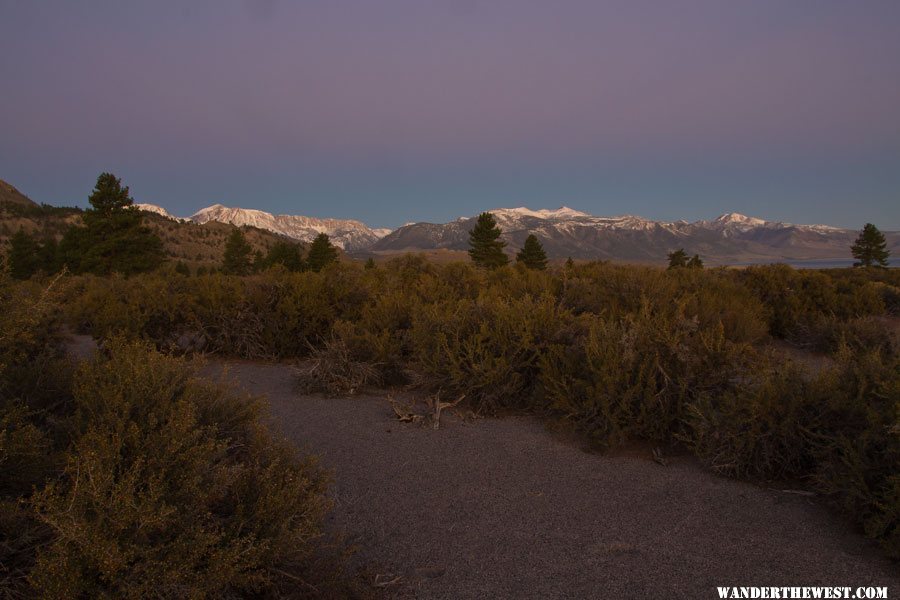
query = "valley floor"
{"x": 501, "y": 508}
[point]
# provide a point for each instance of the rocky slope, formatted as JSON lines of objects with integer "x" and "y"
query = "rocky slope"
{"x": 347, "y": 234}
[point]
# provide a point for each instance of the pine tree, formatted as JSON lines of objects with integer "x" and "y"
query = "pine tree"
{"x": 237, "y": 254}
{"x": 532, "y": 254}
{"x": 22, "y": 259}
{"x": 870, "y": 248}
{"x": 485, "y": 245}
{"x": 113, "y": 239}
{"x": 285, "y": 254}
{"x": 678, "y": 258}
{"x": 321, "y": 253}
{"x": 695, "y": 263}
{"x": 48, "y": 256}
{"x": 370, "y": 264}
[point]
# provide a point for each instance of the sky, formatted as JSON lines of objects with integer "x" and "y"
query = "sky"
{"x": 394, "y": 111}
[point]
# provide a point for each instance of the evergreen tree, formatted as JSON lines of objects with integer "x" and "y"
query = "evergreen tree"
{"x": 22, "y": 259}
{"x": 321, "y": 253}
{"x": 113, "y": 239}
{"x": 237, "y": 254}
{"x": 485, "y": 245}
{"x": 48, "y": 256}
{"x": 870, "y": 248}
{"x": 532, "y": 254}
{"x": 695, "y": 263}
{"x": 370, "y": 264}
{"x": 678, "y": 258}
{"x": 285, "y": 254}
{"x": 570, "y": 263}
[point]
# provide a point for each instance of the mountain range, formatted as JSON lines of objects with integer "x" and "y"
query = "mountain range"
{"x": 564, "y": 232}
{"x": 730, "y": 238}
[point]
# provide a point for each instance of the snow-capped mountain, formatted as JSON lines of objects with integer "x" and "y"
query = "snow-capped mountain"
{"x": 732, "y": 237}
{"x": 347, "y": 234}
{"x": 159, "y": 210}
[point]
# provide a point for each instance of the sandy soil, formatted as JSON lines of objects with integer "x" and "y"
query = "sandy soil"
{"x": 501, "y": 508}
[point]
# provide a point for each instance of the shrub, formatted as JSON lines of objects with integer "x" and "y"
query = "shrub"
{"x": 763, "y": 428}
{"x": 333, "y": 370}
{"x": 488, "y": 349}
{"x": 859, "y": 452}
{"x": 633, "y": 377}
{"x": 172, "y": 488}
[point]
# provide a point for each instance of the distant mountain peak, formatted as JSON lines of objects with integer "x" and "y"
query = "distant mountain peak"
{"x": 345, "y": 233}
{"x": 563, "y": 212}
{"x": 738, "y": 218}
{"x": 159, "y": 210}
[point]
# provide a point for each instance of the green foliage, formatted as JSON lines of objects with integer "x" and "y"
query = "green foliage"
{"x": 621, "y": 352}
{"x": 695, "y": 263}
{"x": 370, "y": 263}
{"x": 633, "y": 378}
{"x": 22, "y": 259}
{"x": 532, "y": 254}
{"x": 172, "y": 488}
{"x": 810, "y": 308}
{"x": 285, "y": 254}
{"x": 870, "y": 248}
{"x": 762, "y": 429}
{"x": 113, "y": 239}
{"x": 321, "y": 253}
{"x": 136, "y": 479}
{"x": 236, "y": 260}
{"x": 678, "y": 258}
{"x": 485, "y": 245}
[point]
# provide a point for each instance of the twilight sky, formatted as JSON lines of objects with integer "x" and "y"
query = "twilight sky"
{"x": 425, "y": 110}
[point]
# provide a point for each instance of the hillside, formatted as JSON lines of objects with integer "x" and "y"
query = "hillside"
{"x": 193, "y": 243}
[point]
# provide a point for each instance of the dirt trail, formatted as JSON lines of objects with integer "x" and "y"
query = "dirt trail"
{"x": 500, "y": 508}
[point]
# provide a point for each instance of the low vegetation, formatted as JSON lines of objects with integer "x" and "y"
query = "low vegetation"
{"x": 127, "y": 476}
{"x": 679, "y": 356}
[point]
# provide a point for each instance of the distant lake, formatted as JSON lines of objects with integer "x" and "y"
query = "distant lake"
{"x": 822, "y": 263}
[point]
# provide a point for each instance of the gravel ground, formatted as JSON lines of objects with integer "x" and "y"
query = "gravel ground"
{"x": 500, "y": 508}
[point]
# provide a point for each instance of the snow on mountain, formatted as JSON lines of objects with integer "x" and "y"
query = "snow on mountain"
{"x": 347, "y": 234}
{"x": 158, "y": 210}
{"x": 568, "y": 232}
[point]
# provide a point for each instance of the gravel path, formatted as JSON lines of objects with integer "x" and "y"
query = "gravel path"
{"x": 500, "y": 508}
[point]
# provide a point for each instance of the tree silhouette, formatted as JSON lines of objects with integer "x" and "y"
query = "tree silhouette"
{"x": 485, "y": 245}
{"x": 870, "y": 248}
{"x": 532, "y": 254}
{"x": 22, "y": 259}
{"x": 113, "y": 239}
{"x": 321, "y": 253}
{"x": 285, "y": 254}
{"x": 678, "y": 258}
{"x": 237, "y": 254}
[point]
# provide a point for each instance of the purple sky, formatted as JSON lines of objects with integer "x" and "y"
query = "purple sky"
{"x": 401, "y": 110}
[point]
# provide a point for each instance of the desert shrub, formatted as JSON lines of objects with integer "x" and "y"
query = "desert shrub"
{"x": 172, "y": 488}
{"x": 488, "y": 349}
{"x": 859, "y": 451}
{"x": 333, "y": 369}
{"x": 804, "y": 306}
{"x": 633, "y": 377}
{"x": 763, "y": 428}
